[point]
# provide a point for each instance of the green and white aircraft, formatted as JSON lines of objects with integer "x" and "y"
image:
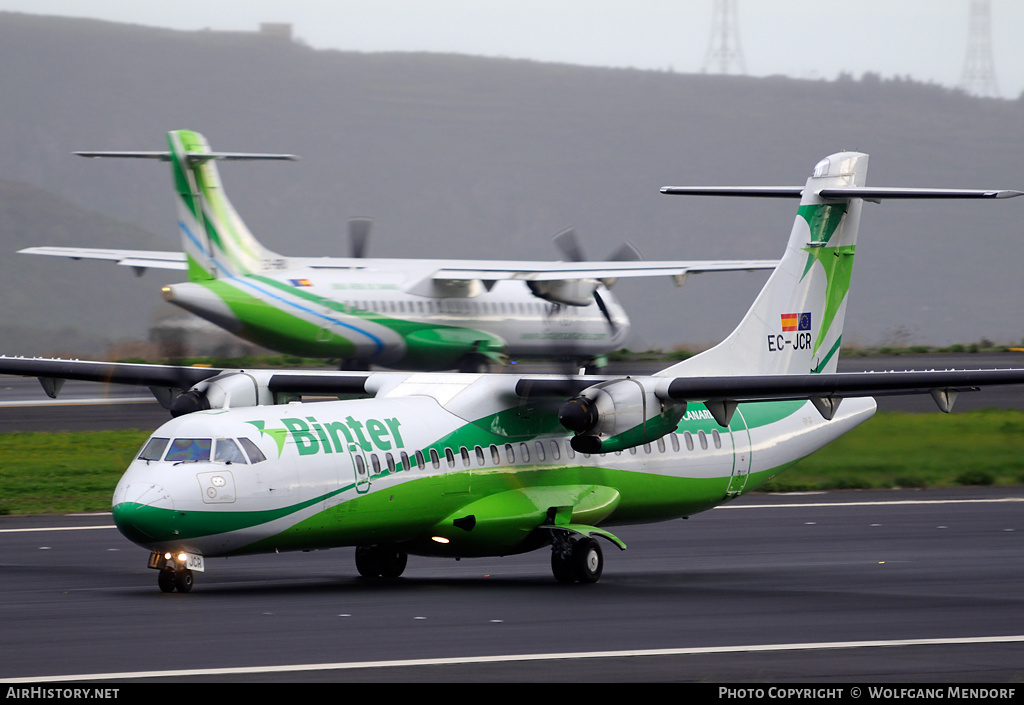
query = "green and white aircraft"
{"x": 409, "y": 314}
{"x": 470, "y": 464}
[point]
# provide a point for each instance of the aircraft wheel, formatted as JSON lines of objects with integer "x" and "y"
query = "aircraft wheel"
{"x": 474, "y": 363}
{"x": 588, "y": 560}
{"x": 562, "y": 567}
{"x": 166, "y": 581}
{"x": 183, "y": 580}
{"x": 369, "y": 561}
{"x": 392, "y": 562}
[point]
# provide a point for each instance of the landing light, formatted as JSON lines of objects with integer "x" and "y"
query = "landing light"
{"x": 439, "y": 539}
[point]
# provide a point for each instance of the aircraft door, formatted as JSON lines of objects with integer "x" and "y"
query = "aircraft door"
{"x": 740, "y": 436}
{"x": 360, "y": 468}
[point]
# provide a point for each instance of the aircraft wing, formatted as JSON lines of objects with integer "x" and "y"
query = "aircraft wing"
{"x": 493, "y": 270}
{"x": 716, "y": 392}
{"x": 139, "y": 259}
{"x": 560, "y": 271}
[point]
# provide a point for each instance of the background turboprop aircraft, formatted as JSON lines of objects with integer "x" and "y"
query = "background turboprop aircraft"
{"x": 464, "y": 465}
{"x": 410, "y": 314}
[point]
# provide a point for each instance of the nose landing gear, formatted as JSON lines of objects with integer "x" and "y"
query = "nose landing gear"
{"x": 171, "y": 580}
{"x": 175, "y": 570}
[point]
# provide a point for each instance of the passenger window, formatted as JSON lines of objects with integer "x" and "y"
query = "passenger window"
{"x": 450, "y": 457}
{"x": 675, "y": 442}
{"x": 569, "y": 452}
{"x": 375, "y": 462}
{"x": 154, "y": 449}
{"x": 420, "y": 462}
{"x": 554, "y": 450}
{"x": 434, "y": 459}
{"x": 495, "y": 455}
{"x": 540, "y": 451}
{"x": 524, "y": 452}
{"x": 689, "y": 440}
{"x": 254, "y": 453}
{"x": 191, "y": 450}
{"x": 703, "y": 439}
{"x": 360, "y": 466}
{"x": 716, "y": 437}
{"x": 661, "y": 444}
{"x": 390, "y": 460}
{"x": 405, "y": 462}
{"x": 464, "y": 452}
{"x": 510, "y": 454}
{"x": 226, "y": 451}
{"x": 480, "y": 456}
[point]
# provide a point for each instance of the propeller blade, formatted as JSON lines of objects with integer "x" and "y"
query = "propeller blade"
{"x": 627, "y": 252}
{"x": 569, "y": 245}
{"x": 359, "y": 235}
{"x": 604, "y": 309}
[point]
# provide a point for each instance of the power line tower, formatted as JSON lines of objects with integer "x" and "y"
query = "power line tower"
{"x": 979, "y": 76}
{"x": 724, "y": 54}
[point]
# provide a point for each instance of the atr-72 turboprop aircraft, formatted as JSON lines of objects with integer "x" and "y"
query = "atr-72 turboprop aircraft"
{"x": 401, "y": 313}
{"x": 463, "y": 465}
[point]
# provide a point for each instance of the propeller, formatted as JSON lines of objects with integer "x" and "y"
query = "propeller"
{"x": 359, "y": 235}
{"x": 568, "y": 243}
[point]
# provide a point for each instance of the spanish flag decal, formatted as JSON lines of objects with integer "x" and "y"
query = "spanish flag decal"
{"x": 796, "y": 321}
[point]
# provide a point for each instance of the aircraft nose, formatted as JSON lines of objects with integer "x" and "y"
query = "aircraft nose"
{"x": 144, "y": 513}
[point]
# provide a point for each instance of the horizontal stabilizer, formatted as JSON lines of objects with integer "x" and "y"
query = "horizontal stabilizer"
{"x": 839, "y": 193}
{"x": 189, "y": 156}
{"x": 139, "y": 259}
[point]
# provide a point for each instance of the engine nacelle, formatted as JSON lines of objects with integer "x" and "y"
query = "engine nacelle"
{"x": 571, "y": 292}
{"x": 619, "y": 414}
{"x": 228, "y": 389}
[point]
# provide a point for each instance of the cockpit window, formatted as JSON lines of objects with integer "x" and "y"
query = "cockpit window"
{"x": 189, "y": 450}
{"x": 226, "y": 451}
{"x": 251, "y": 449}
{"x": 154, "y": 449}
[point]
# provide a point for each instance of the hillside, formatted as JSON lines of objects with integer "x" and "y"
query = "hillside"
{"x": 469, "y": 157}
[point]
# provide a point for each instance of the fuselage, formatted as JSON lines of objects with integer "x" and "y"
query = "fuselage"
{"x": 366, "y": 314}
{"x": 404, "y": 470}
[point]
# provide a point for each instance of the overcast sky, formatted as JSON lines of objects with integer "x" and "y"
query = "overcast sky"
{"x": 924, "y": 39}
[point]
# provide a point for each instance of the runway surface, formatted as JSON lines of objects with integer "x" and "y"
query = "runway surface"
{"x": 881, "y": 587}
{"x": 85, "y": 406}
{"x": 869, "y": 587}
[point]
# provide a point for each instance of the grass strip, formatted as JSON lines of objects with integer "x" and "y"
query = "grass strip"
{"x": 55, "y": 473}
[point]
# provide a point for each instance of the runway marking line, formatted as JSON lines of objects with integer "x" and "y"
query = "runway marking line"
{"x": 93, "y": 401}
{"x": 512, "y": 658}
{"x": 56, "y": 528}
{"x": 893, "y": 502}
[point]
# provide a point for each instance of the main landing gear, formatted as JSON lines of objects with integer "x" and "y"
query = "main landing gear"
{"x": 576, "y": 559}
{"x": 473, "y": 362}
{"x": 380, "y": 561}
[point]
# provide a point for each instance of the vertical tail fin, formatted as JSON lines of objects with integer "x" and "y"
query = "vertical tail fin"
{"x": 795, "y": 326}
{"x": 215, "y": 239}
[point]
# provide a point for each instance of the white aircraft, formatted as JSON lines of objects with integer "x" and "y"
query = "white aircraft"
{"x": 400, "y": 313}
{"x": 463, "y": 465}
